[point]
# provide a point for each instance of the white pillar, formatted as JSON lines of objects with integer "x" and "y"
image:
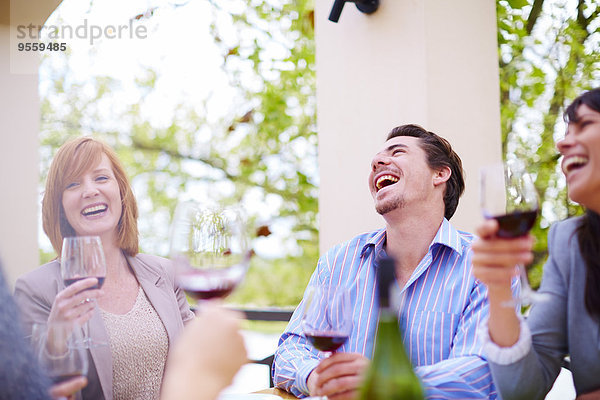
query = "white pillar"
{"x": 19, "y": 119}
{"x": 429, "y": 62}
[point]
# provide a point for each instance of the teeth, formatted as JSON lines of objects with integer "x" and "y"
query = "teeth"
{"x": 572, "y": 162}
{"x": 383, "y": 178}
{"x": 94, "y": 209}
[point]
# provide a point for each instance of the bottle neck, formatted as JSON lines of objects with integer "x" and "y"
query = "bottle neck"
{"x": 388, "y": 314}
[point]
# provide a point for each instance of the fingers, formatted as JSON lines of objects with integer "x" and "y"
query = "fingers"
{"x": 344, "y": 387}
{"x": 498, "y": 245}
{"x": 493, "y": 251}
{"x": 506, "y": 259}
{"x": 494, "y": 259}
{"x": 495, "y": 276}
{"x": 487, "y": 228}
{"x": 338, "y": 358}
{"x": 66, "y": 389}
{"x": 78, "y": 286}
{"x": 74, "y": 303}
{"x": 340, "y": 375}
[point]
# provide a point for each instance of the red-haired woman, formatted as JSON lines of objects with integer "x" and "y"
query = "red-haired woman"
{"x": 139, "y": 310}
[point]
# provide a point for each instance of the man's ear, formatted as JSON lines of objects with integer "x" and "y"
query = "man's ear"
{"x": 441, "y": 175}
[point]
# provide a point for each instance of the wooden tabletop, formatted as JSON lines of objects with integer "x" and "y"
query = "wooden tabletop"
{"x": 278, "y": 392}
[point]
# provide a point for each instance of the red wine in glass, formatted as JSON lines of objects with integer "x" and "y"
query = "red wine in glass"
{"x": 515, "y": 224}
{"x": 100, "y": 279}
{"x": 83, "y": 257}
{"x": 326, "y": 317}
{"x": 206, "y": 284}
{"x": 326, "y": 341}
{"x": 509, "y": 196}
{"x": 209, "y": 249}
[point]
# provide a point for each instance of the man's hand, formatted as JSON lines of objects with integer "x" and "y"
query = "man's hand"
{"x": 338, "y": 377}
{"x": 68, "y": 388}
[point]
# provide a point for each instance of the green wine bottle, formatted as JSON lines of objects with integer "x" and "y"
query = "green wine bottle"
{"x": 390, "y": 375}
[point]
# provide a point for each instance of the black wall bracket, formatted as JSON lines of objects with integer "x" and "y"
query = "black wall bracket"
{"x": 366, "y": 6}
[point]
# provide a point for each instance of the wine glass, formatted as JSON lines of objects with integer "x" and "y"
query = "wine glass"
{"x": 508, "y": 195}
{"x": 209, "y": 249}
{"x": 83, "y": 257}
{"x": 59, "y": 351}
{"x": 326, "y": 320}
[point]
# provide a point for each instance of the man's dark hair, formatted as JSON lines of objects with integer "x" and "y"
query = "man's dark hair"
{"x": 439, "y": 154}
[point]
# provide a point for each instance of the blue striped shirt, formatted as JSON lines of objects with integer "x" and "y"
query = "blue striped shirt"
{"x": 443, "y": 305}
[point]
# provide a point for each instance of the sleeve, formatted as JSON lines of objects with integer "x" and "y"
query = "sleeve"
{"x": 506, "y": 355}
{"x": 532, "y": 376}
{"x": 184, "y": 307}
{"x": 20, "y": 375}
{"x": 295, "y": 357}
{"x": 34, "y": 301}
{"x": 465, "y": 373}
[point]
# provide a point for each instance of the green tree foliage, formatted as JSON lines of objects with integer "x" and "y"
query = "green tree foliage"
{"x": 264, "y": 150}
{"x": 549, "y": 53}
{"x": 263, "y": 153}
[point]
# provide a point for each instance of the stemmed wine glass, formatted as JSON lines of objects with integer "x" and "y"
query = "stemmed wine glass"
{"x": 209, "y": 248}
{"x": 326, "y": 319}
{"x": 83, "y": 257}
{"x": 508, "y": 195}
{"x": 59, "y": 351}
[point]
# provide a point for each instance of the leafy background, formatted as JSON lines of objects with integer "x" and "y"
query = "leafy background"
{"x": 263, "y": 149}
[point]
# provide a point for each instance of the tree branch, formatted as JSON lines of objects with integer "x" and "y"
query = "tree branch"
{"x": 145, "y": 146}
{"x": 536, "y": 10}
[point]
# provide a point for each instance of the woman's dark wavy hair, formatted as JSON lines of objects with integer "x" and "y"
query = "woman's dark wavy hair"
{"x": 588, "y": 232}
{"x": 439, "y": 154}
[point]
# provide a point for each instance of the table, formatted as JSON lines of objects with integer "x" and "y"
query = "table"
{"x": 278, "y": 392}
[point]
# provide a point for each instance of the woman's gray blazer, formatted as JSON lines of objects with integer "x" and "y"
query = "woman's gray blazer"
{"x": 560, "y": 326}
{"x": 36, "y": 290}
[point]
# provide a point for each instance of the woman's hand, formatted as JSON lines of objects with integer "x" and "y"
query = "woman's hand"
{"x": 494, "y": 263}
{"x": 74, "y": 303}
{"x": 495, "y": 259}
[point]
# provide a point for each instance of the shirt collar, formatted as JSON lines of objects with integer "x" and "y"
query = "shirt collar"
{"x": 446, "y": 235}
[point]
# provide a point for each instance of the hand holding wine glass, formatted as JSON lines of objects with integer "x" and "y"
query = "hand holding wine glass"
{"x": 326, "y": 323}
{"x": 508, "y": 195}
{"x": 83, "y": 257}
{"x": 209, "y": 247}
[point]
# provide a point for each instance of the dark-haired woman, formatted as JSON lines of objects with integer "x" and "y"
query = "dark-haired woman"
{"x": 525, "y": 357}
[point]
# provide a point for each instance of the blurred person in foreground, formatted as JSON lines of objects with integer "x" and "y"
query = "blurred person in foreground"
{"x": 526, "y": 356}
{"x": 203, "y": 361}
{"x": 140, "y": 310}
{"x": 416, "y": 180}
{"x": 206, "y": 356}
{"x": 20, "y": 375}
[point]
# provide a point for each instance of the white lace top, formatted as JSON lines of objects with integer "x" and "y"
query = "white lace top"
{"x": 139, "y": 346}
